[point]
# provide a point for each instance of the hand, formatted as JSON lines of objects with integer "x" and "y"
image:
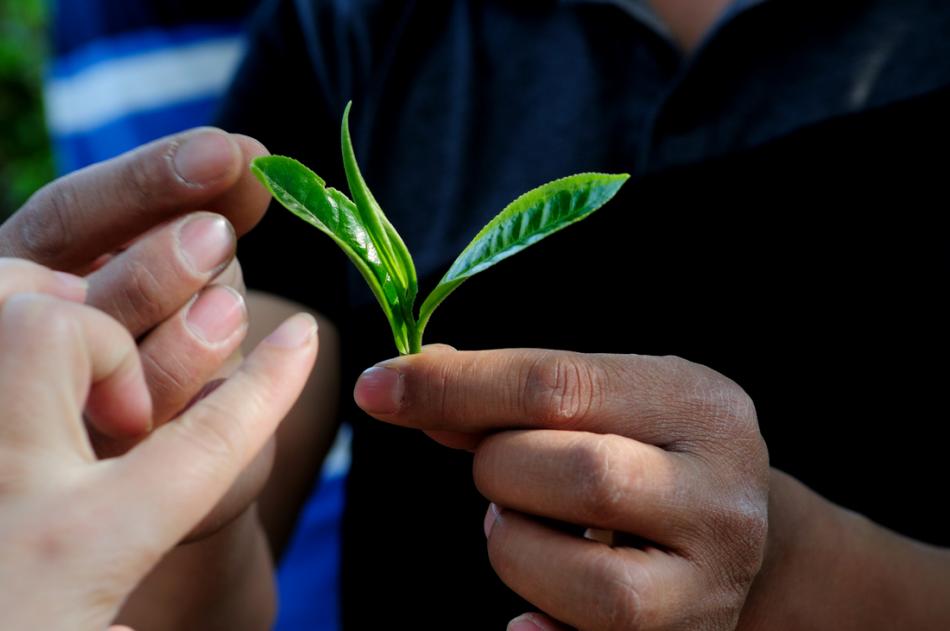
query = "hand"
{"x": 77, "y": 533}
{"x": 162, "y": 269}
{"x": 126, "y": 223}
{"x": 658, "y": 461}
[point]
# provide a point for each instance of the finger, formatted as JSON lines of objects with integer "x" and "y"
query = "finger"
{"x": 594, "y": 480}
{"x": 244, "y": 203}
{"x": 658, "y": 400}
{"x": 535, "y": 622}
{"x": 455, "y": 440}
{"x": 233, "y": 277}
{"x": 589, "y": 585}
{"x": 52, "y": 351}
{"x": 438, "y": 348}
{"x": 187, "y": 350}
{"x": 152, "y": 279}
{"x": 22, "y": 276}
{"x": 452, "y": 440}
{"x": 212, "y": 442}
{"x": 74, "y": 220}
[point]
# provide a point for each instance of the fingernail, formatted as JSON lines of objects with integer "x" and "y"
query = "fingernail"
{"x": 490, "y": 517}
{"x": 73, "y": 286}
{"x": 524, "y": 622}
{"x": 295, "y": 332}
{"x": 216, "y": 314}
{"x": 205, "y": 156}
{"x": 207, "y": 242}
{"x": 380, "y": 390}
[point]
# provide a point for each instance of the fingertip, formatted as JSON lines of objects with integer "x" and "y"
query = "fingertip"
{"x": 297, "y": 331}
{"x": 380, "y": 390}
{"x": 121, "y": 406}
{"x": 532, "y": 622}
{"x": 206, "y": 156}
{"x": 251, "y": 147}
{"x": 252, "y": 198}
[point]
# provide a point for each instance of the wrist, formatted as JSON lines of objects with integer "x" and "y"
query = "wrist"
{"x": 826, "y": 567}
{"x": 797, "y": 528}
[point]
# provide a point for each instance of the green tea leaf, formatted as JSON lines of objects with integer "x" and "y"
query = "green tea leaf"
{"x": 394, "y": 253}
{"x": 362, "y": 230}
{"x": 530, "y": 218}
{"x": 305, "y": 194}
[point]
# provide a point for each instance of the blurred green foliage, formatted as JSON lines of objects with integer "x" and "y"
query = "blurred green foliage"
{"x": 25, "y": 161}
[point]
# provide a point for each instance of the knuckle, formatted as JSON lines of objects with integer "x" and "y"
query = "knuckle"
{"x": 45, "y": 224}
{"x": 168, "y": 376}
{"x": 138, "y": 297}
{"x": 622, "y": 596}
{"x": 32, "y": 312}
{"x": 732, "y": 402}
{"x": 745, "y": 522}
{"x": 739, "y": 531}
{"x": 723, "y": 399}
{"x": 60, "y": 540}
{"x": 71, "y": 538}
{"x": 562, "y": 389}
{"x": 141, "y": 182}
{"x": 751, "y": 524}
{"x": 720, "y": 405}
{"x": 54, "y": 541}
{"x": 601, "y": 488}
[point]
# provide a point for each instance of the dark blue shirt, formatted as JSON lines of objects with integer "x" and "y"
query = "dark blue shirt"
{"x": 782, "y": 227}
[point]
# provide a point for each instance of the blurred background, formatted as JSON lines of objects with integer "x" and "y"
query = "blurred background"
{"x": 25, "y": 159}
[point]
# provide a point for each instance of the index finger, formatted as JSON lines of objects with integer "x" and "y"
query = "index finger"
{"x": 213, "y": 441}
{"x": 73, "y": 220}
{"x": 657, "y": 400}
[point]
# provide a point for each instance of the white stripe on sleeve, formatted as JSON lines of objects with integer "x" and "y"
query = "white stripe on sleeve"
{"x": 112, "y": 89}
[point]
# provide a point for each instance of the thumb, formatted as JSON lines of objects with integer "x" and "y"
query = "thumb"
{"x": 76, "y": 219}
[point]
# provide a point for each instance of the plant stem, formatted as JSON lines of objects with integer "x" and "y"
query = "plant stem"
{"x": 415, "y": 337}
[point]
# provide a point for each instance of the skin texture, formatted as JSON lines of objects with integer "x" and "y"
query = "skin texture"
{"x": 122, "y": 222}
{"x": 673, "y": 519}
{"x": 227, "y": 579}
{"x": 830, "y": 568}
{"x": 126, "y": 225}
{"x": 660, "y": 449}
{"x": 78, "y": 533}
